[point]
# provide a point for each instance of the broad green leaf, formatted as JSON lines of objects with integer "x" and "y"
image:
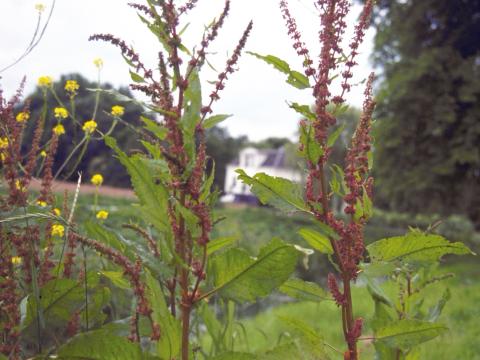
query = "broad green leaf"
{"x": 303, "y": 110}
{"x": 377, "y": 293}
{"x": 295, "y": 78}
{"x": 404, "y": 334}
{"x": 117, "y": 278}
{"x": 214, "y": 327}
{"x": 168, "y": 346}
{"x": 298, "y": 80}
{"x": 277, "y": 63}
{"x": 275, "y": 191}
{"x": 284, "y": 351}
{"x": 214, "y": 120}
{"x": 59, "y": 298}
{"x": 155, "y": 128}
{"x": 310, "y": 342}
{"x": 191, "y": 114}
{"x": 317, "y": 240}
{"x": 415, "y": 246}
{"x": 382, "y": 318}
{"x": 99, "y": 232}
{"x": 332, "y": 138}
{"x": 220, "y": 243}
{"x": 136, "y": 78}
{"x": 100, "y": 345}
{"x": 153, "y": 197}
{"x": 312, "y": 150}
{"x": 303, "y": 290}
{"x": 240, "y": 277}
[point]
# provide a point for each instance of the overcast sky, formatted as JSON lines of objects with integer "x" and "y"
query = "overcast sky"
{"x": 256, "y": 94}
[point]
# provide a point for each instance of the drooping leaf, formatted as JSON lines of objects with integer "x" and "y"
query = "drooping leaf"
{"x": 415, "y": 246}
{"x": 436, "y": 310}
{"x": 100, "y": 345}
{"x": 214, "y": 120}
{"x": 317, "y": 240}
{"x": 406, "y": 333}
{"x": 295, "y": 78}
{"x": 220, "y": 243}
{"x": 275, "y": 191}
{"x": 136, "y": 78}
{"x": 240, "y": 277}
{"x": 168, "y": 346}
{"x": 303, "y": 290}
{"x": 303, "y": 110}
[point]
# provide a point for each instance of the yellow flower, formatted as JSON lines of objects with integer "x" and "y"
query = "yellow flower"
{"x": 59, "y": 130}
{"x": 3, "y": 143}
{"x": 97, "y": 179}
{"x": 16, "y": 260}
{"x": 98, "y": 62}
{"x": 89, "y": 126}
{"x": 45, "y": 81}
{"x": 102, "y": 214}
{"x": 60, "y": 113}
{"x": 58, "y": 230}
{"x": 19, "y": 186}
{"x": 23, "y": 116}
{"x": 41, "y": 203}
{"x": 43, "y": 153}
{"x": 57, "y": 211}
{"x": 71, "y": 86}
{"x": 117, "y": 110}
{"x": 2, "y": 157}
{"x": 40, "y": 7}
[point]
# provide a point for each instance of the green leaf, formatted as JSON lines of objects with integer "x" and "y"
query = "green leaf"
{"x": 303, "y": 110}
{"x": 136, "y": 78}
{"x": 310, "y": 343}
{"x": 404, "y": 334}
{"x": 153, "y": 197}
{"x": 275, "y": 191}
{"x": 295, "y": 78}
{"x": 168, "y": 346}
{"x": 214, "y": 120}
{"x": 155, "y": 128}
{"x": 317, "y": 240}
{"x": 298, "y": 80}
{"x": 367, "y": 205}
{"x": 312, "y": 150}
{"x": 235, "y": 356}
{"x": 100, "y": 345}
{"x": 332, "y": 138}
{"x": 415, "y": 246}
{"x": 377, "y": 293}
{"x": 220, "y": 243}
{"x": 99, "y": 232}
{"x": 435, "y": 311}
{"x": 191, "y": 114}
{"x": 117, "y": 279}
{"x": 277, "y": 63}
{"x": 303, "y": 290}
{"x": 240, "y": 277}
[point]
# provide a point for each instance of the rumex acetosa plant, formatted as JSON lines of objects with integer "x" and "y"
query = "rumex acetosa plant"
{"x": 340, "y": 236}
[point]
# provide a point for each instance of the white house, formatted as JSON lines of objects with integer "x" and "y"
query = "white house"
{"x": 252, "y": 161}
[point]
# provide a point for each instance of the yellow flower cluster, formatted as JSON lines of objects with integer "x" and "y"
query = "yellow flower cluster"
{"x": 58, "y": 230}
{"x": 19, "y": 186}
{"x": 23, "y": 116}
{"x": 57, "y": 211}
{"x": 102, "y": 214}
{"x": 43, "y": 153}
{"x": 41, "y": 203}
{"x": 89, "y": 126}
{"x": 97, "y": 179}
{"x": 71, "y": 86}
{"x": 40, "y": 7}
{"x": 98, "y": 62}
{"x": 60, "y": 113}
{"x": 117, "y": 110}
{"x": 59, "y": 130}
{"x": 45, "y": 81}
{"x": 3, "y": 143}
{"x": 16, "y": 260}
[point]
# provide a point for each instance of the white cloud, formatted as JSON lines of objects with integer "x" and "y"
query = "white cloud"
{"x": 256, "y": 94}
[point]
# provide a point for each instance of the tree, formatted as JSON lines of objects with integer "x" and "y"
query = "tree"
{"x": 427, "y": 150}
{"x": 98, "y": 158}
